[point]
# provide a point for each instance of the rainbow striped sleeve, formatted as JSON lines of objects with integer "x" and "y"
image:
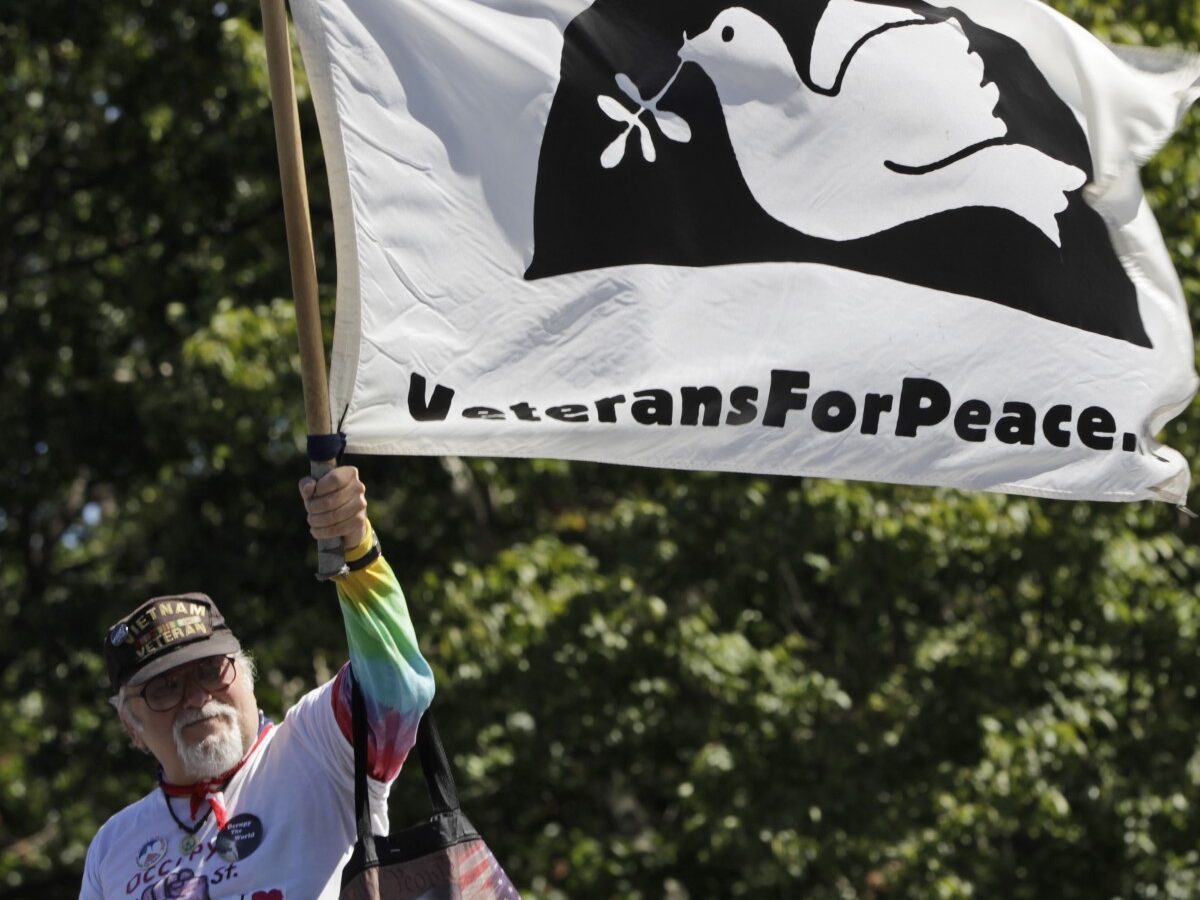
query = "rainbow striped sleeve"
{"x": 396, "y": 681}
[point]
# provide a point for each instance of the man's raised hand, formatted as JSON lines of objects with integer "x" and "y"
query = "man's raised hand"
{"x": 336, "y": 506}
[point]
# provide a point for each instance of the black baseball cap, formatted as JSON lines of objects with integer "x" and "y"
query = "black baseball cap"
{"x": 162, "y": 633}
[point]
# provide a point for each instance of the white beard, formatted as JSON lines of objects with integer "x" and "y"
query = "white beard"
{"x": 216, "y": 753}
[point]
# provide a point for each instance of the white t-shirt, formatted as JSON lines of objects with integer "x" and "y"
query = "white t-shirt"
{"x": 290, "y": 809}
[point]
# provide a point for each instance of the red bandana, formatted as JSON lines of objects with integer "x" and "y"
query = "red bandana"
{"x": 210, "y": 791}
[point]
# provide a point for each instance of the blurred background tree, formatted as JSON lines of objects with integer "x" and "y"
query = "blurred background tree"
{"x": 653, "y": 684}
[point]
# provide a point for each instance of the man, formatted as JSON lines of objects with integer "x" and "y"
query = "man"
{"x": 243, "y": 808}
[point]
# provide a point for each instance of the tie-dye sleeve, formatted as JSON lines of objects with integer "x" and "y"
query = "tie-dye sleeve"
{"x": 396, "y": 681}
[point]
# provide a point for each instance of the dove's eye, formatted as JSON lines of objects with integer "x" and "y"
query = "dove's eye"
{"x": 727, "y": 33}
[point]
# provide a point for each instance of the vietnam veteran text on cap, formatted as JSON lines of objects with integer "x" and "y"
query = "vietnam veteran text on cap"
{"x": 162, "y": 633}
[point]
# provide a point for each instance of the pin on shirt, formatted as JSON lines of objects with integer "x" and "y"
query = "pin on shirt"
{"x": 240, "y": 837}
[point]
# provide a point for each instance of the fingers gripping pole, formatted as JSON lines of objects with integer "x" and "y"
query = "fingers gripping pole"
{"x": 330, "y": 556}
{"x": 323, "y": 452}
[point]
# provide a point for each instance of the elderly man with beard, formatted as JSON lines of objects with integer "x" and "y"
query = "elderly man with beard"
{"x": 241, "y": 807}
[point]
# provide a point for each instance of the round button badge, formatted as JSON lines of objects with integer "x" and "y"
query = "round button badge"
{"x": 239, "y": 838}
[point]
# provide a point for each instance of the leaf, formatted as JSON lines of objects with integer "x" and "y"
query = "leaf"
{"x": 647, "y": 141}
{"x": 613, "y": 109}
{"x": 614, "y": 152}
{"x": 625, "y": 83}
{"x": 673, "y": 127}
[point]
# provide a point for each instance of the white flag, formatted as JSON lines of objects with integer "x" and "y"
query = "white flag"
{"x": 852, "y": 239}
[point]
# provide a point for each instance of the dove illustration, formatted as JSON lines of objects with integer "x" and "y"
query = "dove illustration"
{"x": 894, "y": 123}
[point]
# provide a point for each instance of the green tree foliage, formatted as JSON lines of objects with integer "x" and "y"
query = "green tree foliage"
{"x": 653, "y": 684}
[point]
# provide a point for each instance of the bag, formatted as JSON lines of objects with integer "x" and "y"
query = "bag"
{"x": 441, "y": 859}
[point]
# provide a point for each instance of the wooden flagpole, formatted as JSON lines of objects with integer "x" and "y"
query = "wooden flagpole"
{"x": 330, "y": 557}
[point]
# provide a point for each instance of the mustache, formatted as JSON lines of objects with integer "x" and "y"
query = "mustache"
{"x": 211, "y": 709}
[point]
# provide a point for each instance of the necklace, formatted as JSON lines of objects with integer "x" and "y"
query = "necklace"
{"x": 189, "y": 842}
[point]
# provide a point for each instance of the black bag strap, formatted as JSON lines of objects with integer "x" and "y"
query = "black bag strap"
{"x": 362, "y": 800}
{"x": 439, "y": 780}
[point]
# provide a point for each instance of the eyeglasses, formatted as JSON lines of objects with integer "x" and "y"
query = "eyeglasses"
{"x": 165, "y": 692}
